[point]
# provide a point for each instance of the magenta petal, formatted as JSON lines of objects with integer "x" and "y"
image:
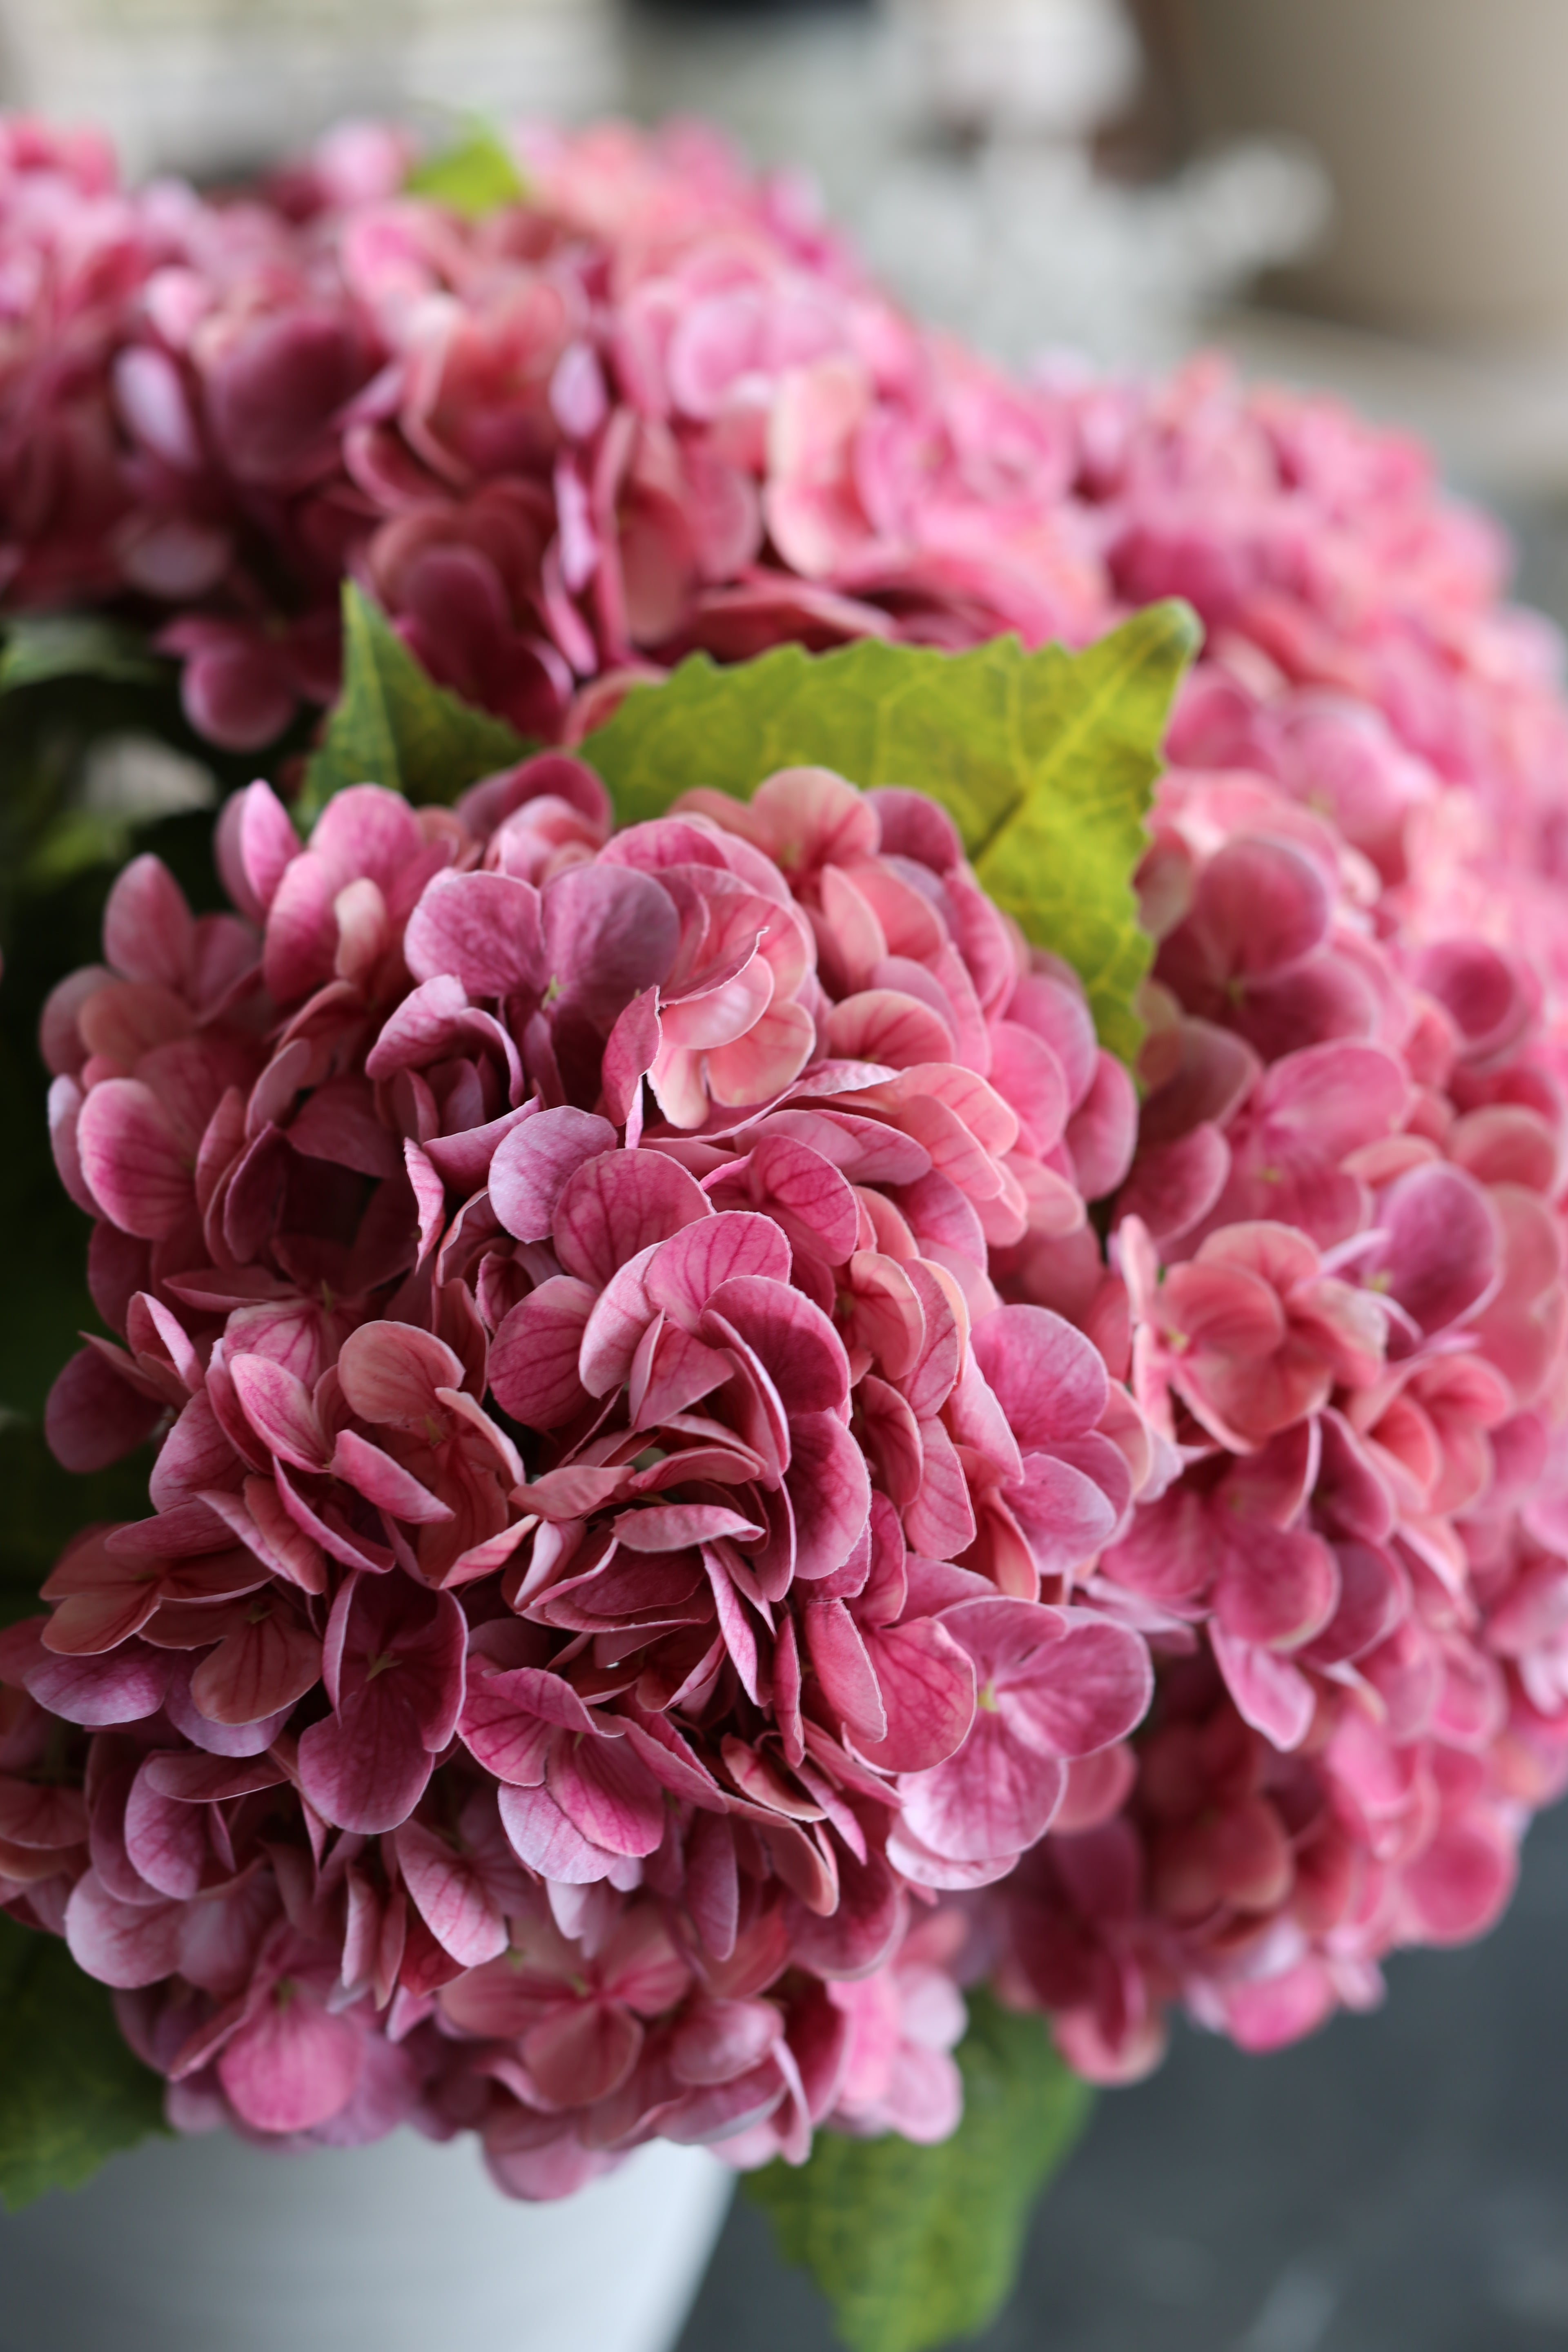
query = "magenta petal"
{"x": 829, "y": 1491}
{"x": 94, "y": 1416}
{"x": 138, "y": 1171}
{"x": 1065, "y": 1517}
{"x": 365, "y": 1766}
{"x": 995, "y": 1797}
{"x": 374, "y": 1475}
{"x": 616, "y": 1204}
{"x": 533, "y": 1358}
{"x": 292, "y": 2064}
{"x": 532, "y": 1163}
{"x": 794, "y": 1340}
{"x": 842, "y": 1666}
{"x": 1079, "y": 1694}
{"x": 484, "y": 929}
{"x": 1272, "y": 1695}
{"x": 583, "y": 2051}
{"x": 927, "y": 1685}
{"x": 541, "y": 1836}
{"x": 1050, "y": 1380}
{"x": 121, "y": 1944}
{"x": 608, "y": 1793}
{"x": 451, "y": 1896}
{"x": 609, "y": 933}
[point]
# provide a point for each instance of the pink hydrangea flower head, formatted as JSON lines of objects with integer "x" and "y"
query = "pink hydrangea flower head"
{"x": 615, "y": 1562}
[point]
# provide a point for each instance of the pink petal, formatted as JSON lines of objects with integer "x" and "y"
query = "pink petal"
{"x": 541, "y": 1836}
{"x": 534, "y": 1355}
{"x": 94, "y": 1416}
{"x": 292, "y": 2064}
{"x": 121, "y": 1944}
{"x": 848, "y": 1682}
{"x": 1048, "y": 1378}
{"x": 1442, "y": 1256}
{"x": 1072, "y": 1695}
{"x": 279, "y": 1408}
{"x": 995, "y": 1797}
{"x": 927, "y": 1685}
{"x": 485, "y": 930}
{"x": 609, "y": 933}
{"x": 391, "y": 1373}
{"x": 1064, "y": 1517}
{"x": 830, "y": 1493}
{"x": 583, "y": 2051}
{"x": 166, "y": 1840}
{"x": 617, "y": 1203}
{"x": 685, "y": 1272}
{"x": 532, "y": 1163}
{"x": 1276, "y": 1587}
{"x": 256, "y": 842}
{"x": 794, "y": 1340}
{"x": 374, "y": 1475}
{"x": 259, "y": 1671}
{"x": 450, "y": 1893}
{"x": 805, "y": 1195}
{"x": 608, "y": 1794}
{"x": 125, "y": 1687}
{"x": 1103, "y": 1130}
{"x": 364, "y": 1767}
{"x": 1459, "y": 1887}
{"x": 130, "y": 1156}
{"x": 1271, "y": 1694}
{"x": 148, "y": 933}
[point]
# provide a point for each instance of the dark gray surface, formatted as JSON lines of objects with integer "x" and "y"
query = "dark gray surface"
{"x": 1399, "y": 2183}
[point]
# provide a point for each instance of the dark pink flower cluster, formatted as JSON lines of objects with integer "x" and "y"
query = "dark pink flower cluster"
{"x": 1340, "y": 1298}
{"x": 654, "y": 408}
{"x": 613, "y": 1558}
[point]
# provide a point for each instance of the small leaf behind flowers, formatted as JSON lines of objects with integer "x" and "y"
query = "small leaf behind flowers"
{"x": 914, "y": 2246}
{"x": 476, "y": 175}
{"x": 392, "y": 725}
{"x": 1045, "y": 761}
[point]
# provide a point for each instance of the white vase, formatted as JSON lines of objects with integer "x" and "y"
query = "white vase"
{"x": 209, "y": 2245}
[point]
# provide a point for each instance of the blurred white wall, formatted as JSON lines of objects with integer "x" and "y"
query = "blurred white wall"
{"x": 209, "y": 87}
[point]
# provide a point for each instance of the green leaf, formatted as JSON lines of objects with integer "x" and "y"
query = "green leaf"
{"x": 392, "y": 724}
{"x": 44, "y": 645}
{"x": 475, "y": 176}
{"x": 71, "y": 2090}
{"x": 1045, "y": 761}
{"x": 915, "y": 2245}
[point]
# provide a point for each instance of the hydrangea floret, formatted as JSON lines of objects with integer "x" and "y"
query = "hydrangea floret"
{"x": 614, "y": 1558}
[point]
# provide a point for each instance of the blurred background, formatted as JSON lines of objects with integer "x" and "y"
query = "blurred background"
{"x": 1370, "y": 195}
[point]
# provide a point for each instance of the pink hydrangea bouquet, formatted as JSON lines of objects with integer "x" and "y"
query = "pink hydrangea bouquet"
{"x": 817, "y": 1370}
